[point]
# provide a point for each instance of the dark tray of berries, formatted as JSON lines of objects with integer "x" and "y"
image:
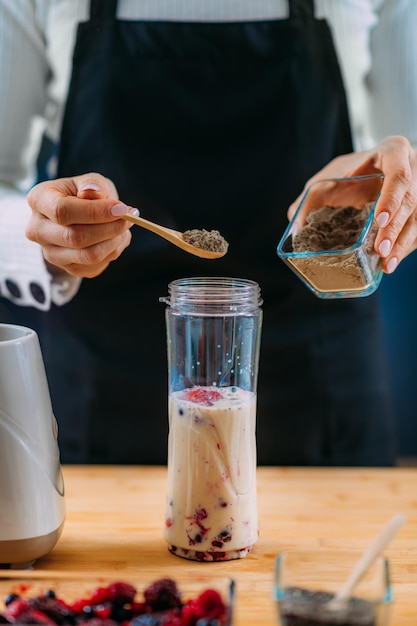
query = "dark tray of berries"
{"x": 98, "y": 601}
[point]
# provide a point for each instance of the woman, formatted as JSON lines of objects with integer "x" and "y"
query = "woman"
{"x": 204, "y": 124}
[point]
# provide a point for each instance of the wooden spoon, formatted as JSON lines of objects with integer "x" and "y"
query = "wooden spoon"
{"x": 369, "y": 556}
{"x": 173, "y": 236}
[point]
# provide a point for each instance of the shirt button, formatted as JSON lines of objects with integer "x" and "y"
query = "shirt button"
{"x": 13, "y": 288}
{"x": 37, "y": 292}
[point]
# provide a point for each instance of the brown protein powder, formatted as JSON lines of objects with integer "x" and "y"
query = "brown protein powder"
{"x": 334, "y": 228}
{"x": 210, "y": 240}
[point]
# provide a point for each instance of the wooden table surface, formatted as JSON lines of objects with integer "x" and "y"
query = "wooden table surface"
{"x": 115, "y": 517}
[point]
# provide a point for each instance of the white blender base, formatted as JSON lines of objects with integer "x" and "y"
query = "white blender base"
{"x": 22, "y": 553}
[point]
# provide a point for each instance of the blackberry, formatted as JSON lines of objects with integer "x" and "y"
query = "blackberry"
{"x": 69, "y": 617}
{"x": 162, "y": 606}
{"x": 162, "y": 594}
{"x": 51, "y": 607}
{"x": 35, "y": 617}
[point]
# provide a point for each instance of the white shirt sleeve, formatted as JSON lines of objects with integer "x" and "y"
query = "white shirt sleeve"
{"x": 376, "y": 43}
{"x": 24, "y": 278}
{"x": 24, "y": 74}
{"x": 392, "y": 78}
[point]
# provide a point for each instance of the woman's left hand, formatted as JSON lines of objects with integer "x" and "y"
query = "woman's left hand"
{"x": 396, "y": 210}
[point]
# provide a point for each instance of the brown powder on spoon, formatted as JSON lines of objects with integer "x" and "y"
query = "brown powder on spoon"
{"x": 210, "y": 240}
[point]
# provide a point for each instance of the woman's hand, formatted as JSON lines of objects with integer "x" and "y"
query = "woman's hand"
{"x": 76, "y": 222}
{"x": 396, "y": 210}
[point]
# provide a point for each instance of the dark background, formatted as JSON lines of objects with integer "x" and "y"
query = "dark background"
{"x": 399, "y": 303}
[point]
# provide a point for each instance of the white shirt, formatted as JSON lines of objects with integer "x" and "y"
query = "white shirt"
{"x": 376, "y": 43}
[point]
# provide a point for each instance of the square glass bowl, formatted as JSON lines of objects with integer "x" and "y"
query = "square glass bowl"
{"x": 329, "y": 243}
{"x": 68, "y": 598}
{"x": 305, "y": 582}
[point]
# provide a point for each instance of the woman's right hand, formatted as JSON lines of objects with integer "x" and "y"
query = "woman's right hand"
{"x": 77, "y": 223}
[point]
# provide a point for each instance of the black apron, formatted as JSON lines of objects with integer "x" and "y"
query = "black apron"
{"x": 209, "y": 125}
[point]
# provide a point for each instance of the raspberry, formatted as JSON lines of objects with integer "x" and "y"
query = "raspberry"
{"x": 78, "y": 605}
{"x": 99, "y": 595}
{"x": 211, "y": 604}
{"x": 191, "y": 613}
{"x": 162, "y": 594}
{"x": 203, "y": 396}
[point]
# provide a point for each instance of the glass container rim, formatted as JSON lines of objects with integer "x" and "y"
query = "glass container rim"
{"x": 279, "y": 591}
{"x": 213, "y": 293}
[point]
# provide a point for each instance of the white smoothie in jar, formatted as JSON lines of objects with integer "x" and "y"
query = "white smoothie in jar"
{"x": 211, "y": 511}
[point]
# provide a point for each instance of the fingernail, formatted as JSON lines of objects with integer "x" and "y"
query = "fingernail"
{"x": 90, "y": 187}
{"x": 392, "y": 264}
{"x": 118, "y": 209}
{"x": 385, "y": 247}
{"x": 134, "y": 212}
{"x": 382, "y": 219}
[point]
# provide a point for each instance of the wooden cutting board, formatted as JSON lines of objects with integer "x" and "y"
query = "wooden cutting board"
{"x": 115, "y": 517}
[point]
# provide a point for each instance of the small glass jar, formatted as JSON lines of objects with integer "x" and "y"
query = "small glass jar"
{"x": 213, "y": 339}
{"x": 330, "y": 241}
